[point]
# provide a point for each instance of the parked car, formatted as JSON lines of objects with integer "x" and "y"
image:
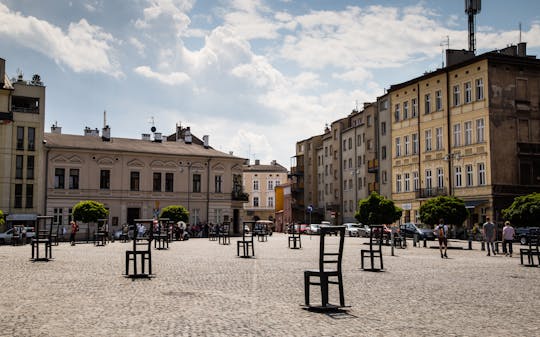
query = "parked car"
{"x": 352, "y": 229}
{"x": 7, "y": 236}
{"x": 523, "y": 232}
{"x": 314, "y": 228}
{"x": 409, "y": 229}
{"x": 263, "y": 226}
{"x": 386, "y": 231}
{"x": 302, "y": 228}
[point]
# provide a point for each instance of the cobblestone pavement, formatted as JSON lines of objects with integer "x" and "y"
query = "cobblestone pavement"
{"x": 201, "y": 288}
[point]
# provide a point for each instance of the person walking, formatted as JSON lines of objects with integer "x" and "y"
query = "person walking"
{"x": 442, "y": 233}
{"x": 488, "y": 229}
{"x": 508, "y": 238}
{"x": 74, "y": 230}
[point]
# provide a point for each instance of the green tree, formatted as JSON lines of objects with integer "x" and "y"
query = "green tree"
{"x": 89, "y": 211}
{"x": 377, "y": 210}
{"x": 2, "y": 221}
{"x": 524, "y": 211}
{"x": 451, "y": 209}
{"x": 175, "y": 213}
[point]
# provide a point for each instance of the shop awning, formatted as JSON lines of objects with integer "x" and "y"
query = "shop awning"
{"x": 474, "y": 203}
{"x": 21, "y": 217}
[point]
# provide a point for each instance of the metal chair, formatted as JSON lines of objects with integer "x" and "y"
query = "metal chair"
{"x": 42, "y": 239}
{"x": 246, "y": 244}
{"x": 375, "y": 248}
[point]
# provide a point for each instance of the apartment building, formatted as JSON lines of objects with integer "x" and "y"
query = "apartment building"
{"x": 135, "y": 178}
{"x": 22, "y": 113}
{"x": 468, "y": 130}
{"x": 260, "y": 182}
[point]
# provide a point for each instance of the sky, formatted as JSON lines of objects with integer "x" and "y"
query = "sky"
{"x": 255, "y": 75}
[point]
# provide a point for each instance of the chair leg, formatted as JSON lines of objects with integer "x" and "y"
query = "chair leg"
{"x": 341, "y": 292}
{"x": 324, "y": 290}
{"x": 380, "y": 255}
{"x": 306, "y": 288}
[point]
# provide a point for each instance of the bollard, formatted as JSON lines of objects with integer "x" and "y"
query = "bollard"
{"x": 470, "y": 243}
{"x": 392, "y": 239}
{"x": 415, "y": 238}
{"x": 425, "y": 243}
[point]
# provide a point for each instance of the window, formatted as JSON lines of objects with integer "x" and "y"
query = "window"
{"x": 427, "y": 100}
{"x": 344, "y": 163}
{"x": 468, "y": 93}
{"x": 18, "y": 195}
{"x": 369, "y": 144}
{"x": 105, "y": 179}
{"x": 481, "y": 174}
{"x": 156, "y": 182}
{"x": 440, "y": 178}
{"x": 270, "y": 185}
{"x": 270, "y": 202}
{"x": 384, "y": 177}
{"x": 416, "y": 181}
{"x": 456, "y": 95}
{"x": 414, "y": 108}
{"x": 396, "y": 113}
{"x": 405, "y": 110}
{"x": 428, "y": 140}
{"x": 29, "y": 196}
{"x": 30, "y": 167}
{"x": 414, "y": 143}
{"x": 457, "y": 173}
{"x": 429, "y": 184}
{"x": 59, "y": 177}
{"x": 407, "y": 143}
{"x": 218, "y": 184}
{"x": 398, "y": 147}
{"x": 31, "y": 139}
{"x": 350, "y": 143}
{"x": 407, "y": 182}
{"x": 58, "y": 216}
{"x": 469, "y": 175}
{"x": 368, "y": 120}
{"x": 19, "y": 167}
{"x": 196, "y": 183}
{"x": 479, "y": 89}
{"x": 350, "y": 184}
{"x": 398, "y": 183}
{"x": 344, "y": 185}
{"x": 457, "y": 134}
{"x": 383, "y": 128}
{"x": 20, "y": 138}
{"x": 383, "y": 152}
{"x": 255, "y": 185}
{"x": 73, "y": 179}
{"x": 344, "y": 145}
{"x": 438, "y": 139}
{"x": 134, "y": 181}
{"x": 468, "y": 133}
{"x": 438, "y": 100}
{"x": 480, "y": 130}
{"x": 255, "y": 201}
{"x": 350, "y": 163}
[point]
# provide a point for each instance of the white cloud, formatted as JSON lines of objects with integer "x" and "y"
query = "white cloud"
{"x": 174, "y": 78}
{"x": 83, "y": 48}
{"x": 176, "y": 10}
{"x": 137, "y": 44}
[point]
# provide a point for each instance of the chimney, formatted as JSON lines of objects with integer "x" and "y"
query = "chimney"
{"x": 157, "y": 137}
{"x": 56, "y": 129}
{"x": 522, "y": 49}
{"x": 91, "y": 132}
{"x": 2, "y": 72}
{"x": 145, "y": 136}
{"x": 205, "y": 141}
{"x": 178, "y": 132}
{"x": 257, "y": 162}
{"x": 274, "y": 162}
{"x": 187, "y": 136}
{"x": 106, "y": 133}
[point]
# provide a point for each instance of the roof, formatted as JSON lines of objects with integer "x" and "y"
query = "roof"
{"x": 264, "y": 168}
{"x": 94, "y": 143}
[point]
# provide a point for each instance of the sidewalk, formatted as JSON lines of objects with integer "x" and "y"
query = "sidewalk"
{"x": 201, "y": 288}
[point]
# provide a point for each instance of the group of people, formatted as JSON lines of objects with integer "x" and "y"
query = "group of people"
{"x": 489, "y": 232}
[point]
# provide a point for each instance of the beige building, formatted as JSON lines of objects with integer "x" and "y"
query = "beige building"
{"x": 260, "y": 182}
{"x": 22, "y": 113}
{"x": 469, "y": 130}
{"x": 135, "y": 178}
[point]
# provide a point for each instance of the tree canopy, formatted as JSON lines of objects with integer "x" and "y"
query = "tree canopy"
{"x": 2, "y": 221}
{"x": 451, "y": 209}
{"x": 89, "y": 211}
{"x": 175, "y": 213}
{"x": 524, "y": 211}
{"x": 377, "y": 210}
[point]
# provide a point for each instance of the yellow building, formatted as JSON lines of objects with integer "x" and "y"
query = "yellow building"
{"x": 468, "y": 130}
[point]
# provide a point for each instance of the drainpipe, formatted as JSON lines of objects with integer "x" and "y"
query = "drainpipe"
{"x": 208, "y": 190}
{"x": 46, "y": 178}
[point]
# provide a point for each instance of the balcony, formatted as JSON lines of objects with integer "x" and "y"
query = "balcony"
{"x": 373, "y": 187}
{"x": 430, "y": 192}
{"x": 6, "y": 116}
{"x": 240, "y": 196}
{"x": 297, "y": 171}
{"x": 373, "y": 165}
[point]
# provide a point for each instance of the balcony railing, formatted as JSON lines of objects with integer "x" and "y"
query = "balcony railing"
{"x": 431, "y": 192}
{"x": 6, "y": 116}
{"x": 240, "y": 196}
{"x": 373, "y": 187}
{"x": 373, "y": 165}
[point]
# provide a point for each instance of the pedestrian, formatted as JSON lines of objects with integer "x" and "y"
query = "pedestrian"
{"x": 441, "y": 230}
{"x": 488, "y": 230}
{"x": 508, "y": 238}
{"x": 74, "y": 230}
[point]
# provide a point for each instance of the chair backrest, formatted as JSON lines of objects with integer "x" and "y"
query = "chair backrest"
{"x": 533, "y": 238}
{"x": 331, "y": 258}
{"x": 248, "y": 236}
{"x": 376, "y": 236}
{"x": 224, "y": 229}
{"x": 44, "y": 226}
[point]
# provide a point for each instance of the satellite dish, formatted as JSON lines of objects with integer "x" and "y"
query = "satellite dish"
{"x": 153, "y": 129}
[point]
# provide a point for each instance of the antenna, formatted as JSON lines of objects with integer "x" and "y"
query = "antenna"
{"x": 104, "y": 118}
{"x": 520, "y": 32}
{"x": 152, "y": 122}
{"x": 472, "y": 7}
{"x": 444, "y": 42}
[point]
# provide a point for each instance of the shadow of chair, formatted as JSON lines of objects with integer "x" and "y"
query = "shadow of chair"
{"x": 329, "y": 271}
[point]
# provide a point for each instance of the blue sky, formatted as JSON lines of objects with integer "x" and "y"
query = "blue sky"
{"x": 254, "y": 75}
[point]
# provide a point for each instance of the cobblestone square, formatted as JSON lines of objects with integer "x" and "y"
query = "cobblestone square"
{"x": 201, "y": 288}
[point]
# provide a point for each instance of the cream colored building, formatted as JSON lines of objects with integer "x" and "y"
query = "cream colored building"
{"x": 135, "y": 178}
{"x": 468, "y": 130}
{"x": 22, "y": 113}
{"x": 260, "y": 181}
